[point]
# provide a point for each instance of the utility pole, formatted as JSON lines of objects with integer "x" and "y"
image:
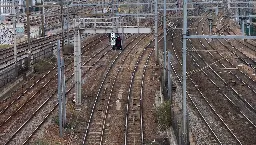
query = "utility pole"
{"x": 112, "y": 12}
{"x": 60, "y": 89}
{"x": 164, "y": 21}
{"x": 184, "y": 77}
{"x": 62, "y": 24}
{"x": 210, "y": 24}
{"x": 77, "y": 69}
{"x": 243, "y": 19}
{"x": 14, "y": 33}
{"x": 156, "y": 32}
{"x": 169, "y": 77}
{"x": 63, "y": 89}
{"x": 28, "y": 33}
{"x": 137, "y": 13}
{"x": 68, "y": 24}
{"x": 42, "y": 18}
{"x": 249, "y": 13}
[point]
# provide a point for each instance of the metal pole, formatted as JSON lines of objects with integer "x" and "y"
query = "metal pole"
{"x": 59, "y": 87}
{"x": 102, "y": 5}
{"x": 117, "y": 12}
{"x": 14, "y": 33}
{"x": 164, "y": 21}
{"x": 28, "y": 33}
{"x": 1, "y": 8}
{"x": 77, "y": 68}
{"x": 4, "y": 8}
{"x": 137, "y": 13}
{"x": 43, "y": 11}
{"x": 122, "y": 20}
{"x": 169, "y": 77}
{"x": 63, "y": 90}
{"x": 210, "y": 29}
{"x": 250, "y": 20}
{"x": 243, "y": 26}
{"x": 184, "y": 65}
{"x": 156, "y": 33}
{"x": 62, "y": 24}
{"x": 43, "y": 19}
{"x": 236, "y": 10}
{"x": 151, "y": 6}
{"x": 68, "y": 24}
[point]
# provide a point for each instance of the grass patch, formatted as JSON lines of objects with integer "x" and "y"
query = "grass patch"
{"x": 163, "y": 114}
{"x": 41, "y": 142}
{"x": 68, "y": 49}
{"x": 56, "y": 120}
{"x": 2, "y": 46}
{"x": 44, "y": 65}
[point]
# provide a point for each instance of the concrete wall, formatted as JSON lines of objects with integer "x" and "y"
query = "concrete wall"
{"x": 11, "y": 73}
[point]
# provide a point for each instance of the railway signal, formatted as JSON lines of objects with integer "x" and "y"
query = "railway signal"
{"x": 113, "y": 39}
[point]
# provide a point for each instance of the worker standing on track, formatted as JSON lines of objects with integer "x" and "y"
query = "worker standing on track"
{"x": 118, "y": 43}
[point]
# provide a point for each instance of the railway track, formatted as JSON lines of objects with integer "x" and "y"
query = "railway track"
{"x": 92, "y": 118}
{"x": 217, "y": 81}
{"x": 134, "y": 129}
{"x": 51, "y": 96}
{"x": 242, "y": 77}
{"x": 244, "y": 49}
{"x": 27, "y": 85}
{"x": 206, "y": 116}
{"x": 7, "y": 54}
{"x": 239, "y": 77}
{"x": 197, "y": 102}
{"x": 47, "y": 100}
{"x": 50, "y": 102}
{"x": 38, "y": 50}
{"x": 35, "y": 87}
{"x": 99, "y": 128}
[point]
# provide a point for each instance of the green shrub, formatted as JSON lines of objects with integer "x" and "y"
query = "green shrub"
{"x": 5, "y": 46}
{"x": 56, "y": 119}
{"x": 68, "y": 49}
{"x": 42, "y": 66}
{"x": 163, "y": 113}
{"x": 41, "y": 142}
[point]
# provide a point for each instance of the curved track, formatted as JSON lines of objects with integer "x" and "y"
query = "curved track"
{"x": 214, "y": 112}
{"x": 218, "y": 80}
{"x": 52, "y": 94}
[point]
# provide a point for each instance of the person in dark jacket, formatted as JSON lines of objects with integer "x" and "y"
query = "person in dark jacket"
{"x": 118, "y": 43}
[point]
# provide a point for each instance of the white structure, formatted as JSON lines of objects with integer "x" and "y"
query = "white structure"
{"x": 5, "y": 10}
{"x": 6, "y": 33}
{"x": 8, "y": 4}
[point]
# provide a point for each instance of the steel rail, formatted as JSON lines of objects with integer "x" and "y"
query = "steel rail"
{"x": 238, "y": 77}
{"x": 190, "y": 97}
{"x": 216, "y": 83}
{"x": 44, "y": 103}
{"x": 193, "y": 102}
{"x": 38, "y": 81}
{"x": 101, "y": 86}
{"x": 126, "y": 137}
{"x": 98, "y": 60}
{"x": 38, "y": 92}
